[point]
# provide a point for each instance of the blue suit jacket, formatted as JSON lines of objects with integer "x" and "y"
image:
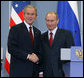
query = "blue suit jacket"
{"x": 51, "y": 64}
{"x": 19, "y": 46}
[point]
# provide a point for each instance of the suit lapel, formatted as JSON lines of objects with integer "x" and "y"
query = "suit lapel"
{"x": 25, "y": 29}
{"x": 26, "y": 32}
{"x": 46, "y": 39}
{"x": 35, "y": 33}
{"x": 55, "y": 41}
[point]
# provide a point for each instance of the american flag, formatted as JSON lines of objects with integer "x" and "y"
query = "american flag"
{"x": 16, "y": 18}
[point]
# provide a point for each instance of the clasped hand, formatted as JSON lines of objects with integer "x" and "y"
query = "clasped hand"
{"x": 33, "y": 57}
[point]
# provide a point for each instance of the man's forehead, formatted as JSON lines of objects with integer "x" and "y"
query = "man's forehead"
{"x": 51, "y": 15}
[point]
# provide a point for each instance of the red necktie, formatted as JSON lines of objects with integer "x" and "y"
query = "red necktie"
{"x": 51, "y": 38}
{"x": 31, "y": 35}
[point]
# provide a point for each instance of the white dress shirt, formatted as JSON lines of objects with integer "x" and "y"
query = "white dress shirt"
{"x": 27, "y": 25}
{"x": 53, "y": 31}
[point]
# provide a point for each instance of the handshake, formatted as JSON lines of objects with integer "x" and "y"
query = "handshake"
{"x": 33, "y": 57}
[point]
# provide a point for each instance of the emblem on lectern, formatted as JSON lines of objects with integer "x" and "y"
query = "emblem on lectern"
{"x": 79, "y": 53}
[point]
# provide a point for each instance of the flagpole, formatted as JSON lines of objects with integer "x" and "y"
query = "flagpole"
{"x": 81, "y": 23}
{"x": 9, "y": 10}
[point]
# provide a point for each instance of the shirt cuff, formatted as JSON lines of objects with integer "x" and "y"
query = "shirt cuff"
{"x": 28, "y": 56}
{"x": 40, "y": 72}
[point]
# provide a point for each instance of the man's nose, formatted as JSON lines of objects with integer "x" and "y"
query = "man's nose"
{"x": 50, "y": 22}
{"x": 30, "y": 15}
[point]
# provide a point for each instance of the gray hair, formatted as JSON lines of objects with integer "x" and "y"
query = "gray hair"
{"x": 30, "y": 6}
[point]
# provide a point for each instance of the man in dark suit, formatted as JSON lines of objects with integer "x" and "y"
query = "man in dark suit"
{"x": 52, "y": 41}
{"x": 24, "y": 46}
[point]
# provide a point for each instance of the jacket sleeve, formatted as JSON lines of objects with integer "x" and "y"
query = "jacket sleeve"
{"x": 69, "y": 40}
{"x": 41, "y": 63}
{"x": 13, "y": 45}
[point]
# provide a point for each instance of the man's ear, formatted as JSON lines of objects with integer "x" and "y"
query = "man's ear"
{"x": 57, "y": 21}
{"x": 36, "y": 17}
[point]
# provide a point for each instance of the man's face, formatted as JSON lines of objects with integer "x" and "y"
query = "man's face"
{"x": 51, "y": 21}
{"x": 30, "y": 15}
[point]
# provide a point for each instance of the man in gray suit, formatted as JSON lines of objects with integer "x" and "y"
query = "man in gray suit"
{"x": 52, "y": 41}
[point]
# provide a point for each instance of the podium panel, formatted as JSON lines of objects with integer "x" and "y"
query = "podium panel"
{"x": 74, "y": 68}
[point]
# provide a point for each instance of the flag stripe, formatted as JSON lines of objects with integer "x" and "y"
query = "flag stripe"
{"x": 21, "y": 15}
{"x": 8, "y": 55}
{"x": 15, "y": 17}
{"x": 12, "y": 23}
{"x": 7, "y": 65}
{"x": 74, "y": 8}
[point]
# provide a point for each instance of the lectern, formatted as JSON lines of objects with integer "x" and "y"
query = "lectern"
{"x": 73, "y": 68}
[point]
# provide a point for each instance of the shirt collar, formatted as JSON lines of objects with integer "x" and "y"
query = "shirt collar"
{"x": 27, "y": 25}
{"x": 53, "y": 31}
